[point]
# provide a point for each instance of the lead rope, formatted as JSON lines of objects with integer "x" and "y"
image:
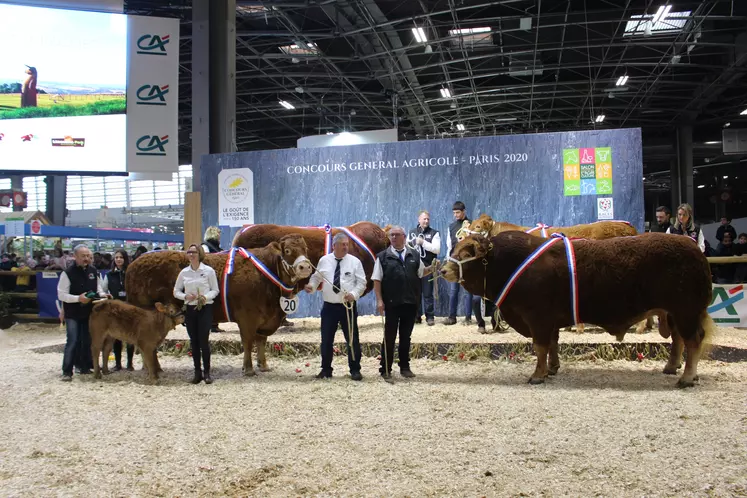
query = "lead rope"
{"x": 349, "y": 313}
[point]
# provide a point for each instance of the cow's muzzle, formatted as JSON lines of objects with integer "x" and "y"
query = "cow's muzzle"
{"x": 459, "y": 263}
{"x": 300, "y": 269}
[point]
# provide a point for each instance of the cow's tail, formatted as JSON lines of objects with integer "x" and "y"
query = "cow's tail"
{"x": 708, "y": 331}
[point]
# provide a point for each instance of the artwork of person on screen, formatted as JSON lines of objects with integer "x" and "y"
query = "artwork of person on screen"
{"x": 28, "y": 92}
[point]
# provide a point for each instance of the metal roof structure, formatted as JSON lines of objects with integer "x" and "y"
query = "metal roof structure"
{"x": 451, "y": 68}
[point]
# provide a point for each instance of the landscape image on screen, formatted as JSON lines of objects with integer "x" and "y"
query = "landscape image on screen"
{"x": 58, "y": 63}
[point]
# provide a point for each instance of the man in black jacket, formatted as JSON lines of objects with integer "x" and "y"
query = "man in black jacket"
{"x": 427, "y": 242}
{"x": 663, "y": 217}
{"x": 460, "y": 216}
{"x": 78, "y": 285}
{"x": 396, "y": 278}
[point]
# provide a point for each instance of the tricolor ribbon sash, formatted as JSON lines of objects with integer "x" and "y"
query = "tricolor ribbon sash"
{"x": 228, "y": 270}
{"x": 571, "y": 258}
{"x": 542, "y": 227}
{"x": 358, "y": 241}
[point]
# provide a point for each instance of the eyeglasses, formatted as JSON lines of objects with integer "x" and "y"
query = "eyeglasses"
{"x": 191, "y": 252}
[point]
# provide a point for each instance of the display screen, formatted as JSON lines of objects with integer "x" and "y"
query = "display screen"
{"x": 63, "y": 79}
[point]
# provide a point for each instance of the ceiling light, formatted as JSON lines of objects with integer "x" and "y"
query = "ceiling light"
{"x": 445, "y": 93}
{"x": 743, "y": 113}
{"x": 469, "y": 31}
{"x": 622, "y": 80}
{"x": 713, "y": 142}
{"x": 701, "y": 186}
{"x": 460, "y": 127}
{"x": 330, "y": 133}
{"x": 505, "y": 119}
{"x": 661, "y": 14}
{"x": 600, "y": 118}
{"x": 726, "y": 176}
{"x": 419, "y": 35}
{"x": 285, "y": 104}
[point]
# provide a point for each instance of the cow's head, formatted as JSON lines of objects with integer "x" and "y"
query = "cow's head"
{"x": 468, "y": 255}
{"x": 172, "y": 311}
{"x": 293, "y": 251}
{"x": 482, "y": 225}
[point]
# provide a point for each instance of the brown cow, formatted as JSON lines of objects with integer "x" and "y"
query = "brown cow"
{"x": 620, "y": 282}
{"x": 260, "y": 235}
{"x": 113, "y": 319}
{"x": 600, "y": 230}
{"x": 253, "y": 300}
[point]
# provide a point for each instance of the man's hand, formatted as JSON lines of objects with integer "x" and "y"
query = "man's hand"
{"x": 83, "y": 299}
{"x": 427, "y": 270}
{"x": 380, "y": 307}
{"x": 348, "y": 297}
{"x": 201, "y": 300}
{"x": 419, "y": 241}
{"x": 190, "y": 297}
{"x": 308, "y": 288}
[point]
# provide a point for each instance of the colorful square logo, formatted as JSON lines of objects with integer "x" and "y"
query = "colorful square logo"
{"x": 587, "y": 171}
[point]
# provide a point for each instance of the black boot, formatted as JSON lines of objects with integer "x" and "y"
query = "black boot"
{"x": 208, "y": 379}
{"x": 198, "y": 377}
{"x": 117, "y": 356}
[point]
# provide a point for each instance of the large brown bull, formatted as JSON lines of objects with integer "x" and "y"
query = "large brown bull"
{"x": 253, "y": 299}
{"x": 620, "y": 282}
{"x": 370, "y": 233}
{"x": 599, "y": 230}
{"x": 485, "y": 225}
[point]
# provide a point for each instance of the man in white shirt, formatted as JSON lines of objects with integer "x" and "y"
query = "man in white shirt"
{"x": 396, "y": 277}
{"x": 78, "y": 285}
{"x": 348, "y": 282}
{"x": 427, "y": 242}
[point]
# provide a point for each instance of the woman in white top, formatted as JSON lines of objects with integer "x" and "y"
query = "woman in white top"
{"x": 197, "y": 286}
{"x": 685, "y": 225}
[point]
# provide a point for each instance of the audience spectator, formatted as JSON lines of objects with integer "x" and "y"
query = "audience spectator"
{"x": 725, "y": 228}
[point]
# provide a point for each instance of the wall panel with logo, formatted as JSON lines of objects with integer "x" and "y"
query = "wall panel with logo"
{"x": 152, "y": 95}
{"x": 558, "y": 179}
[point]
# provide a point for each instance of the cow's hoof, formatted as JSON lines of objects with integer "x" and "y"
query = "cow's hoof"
{"x": 265, "y": 369}
{"x": 534, "y": 381}
{"x": 97, "y": 375}
{"x": 671, "y": 369}
{"x": 682, "y": 383}
{"x": 552, "y": 370}
{"x": 249, "y": 373}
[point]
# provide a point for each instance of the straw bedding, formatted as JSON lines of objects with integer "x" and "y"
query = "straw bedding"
{"x": 458, "y": 429}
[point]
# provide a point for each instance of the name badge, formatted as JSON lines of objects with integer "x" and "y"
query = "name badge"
{"x": 122, "y": 294}
{"x": 289, "y": 306}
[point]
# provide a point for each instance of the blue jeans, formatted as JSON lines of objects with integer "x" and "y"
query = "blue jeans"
{"x": 427, "y": 299}
{"x": 77, "y": 347}
{"x": 454, "y": 288}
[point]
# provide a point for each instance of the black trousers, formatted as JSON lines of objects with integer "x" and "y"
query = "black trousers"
{"x": 198, "y": 323}
{"x": 489, "y": 311}
{"x": 332, "y": 315}
{"x": 427, "y": 299}
{"x": 400, "y": 318}
{"x": 117, "y": 348}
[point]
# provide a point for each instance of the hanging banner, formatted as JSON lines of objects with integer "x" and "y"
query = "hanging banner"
{"x": 728, "y": 306}
{"x": 152, "y": 94}
{"x": 236, "y": 197}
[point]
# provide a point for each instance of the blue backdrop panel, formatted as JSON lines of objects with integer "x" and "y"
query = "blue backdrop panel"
{"x": 514, "y": 178}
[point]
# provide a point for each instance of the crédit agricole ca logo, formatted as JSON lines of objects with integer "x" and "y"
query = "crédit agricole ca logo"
{"x": 152, "y": 95}
{"x": 151, "y": 145}
{"x": 149, "y": 44}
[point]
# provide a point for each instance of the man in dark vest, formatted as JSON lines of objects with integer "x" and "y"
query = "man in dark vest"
{"x": 427, "y": 242}
{"x": 663, "y": 217}
{"x": 78, "y": 285}
{"x": 397, "y": 275}
{"x": 460, "y": 216}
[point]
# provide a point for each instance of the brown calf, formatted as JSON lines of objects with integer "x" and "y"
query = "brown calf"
{"x": 146, "y": 329}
